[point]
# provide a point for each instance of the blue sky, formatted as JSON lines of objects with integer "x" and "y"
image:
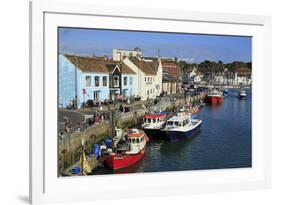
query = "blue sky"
{"x": 189, "y": 47}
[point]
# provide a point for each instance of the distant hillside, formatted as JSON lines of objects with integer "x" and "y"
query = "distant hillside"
{"x": 216, "y": 67}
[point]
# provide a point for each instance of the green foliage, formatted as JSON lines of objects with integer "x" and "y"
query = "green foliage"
{"x": 208, "y": 66}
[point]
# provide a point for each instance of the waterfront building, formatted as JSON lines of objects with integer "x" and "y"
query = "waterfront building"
{"x": 197, "y": 79}
{"x": 171, "y": 67}
{"x": 189, "y": 76}
{"x": 243, "y": 76}
{"x": 93, "y": 78}
{"x": 149, "y": 76}
{"x": 169, "y": 84}
{"x": 120, "y": 54}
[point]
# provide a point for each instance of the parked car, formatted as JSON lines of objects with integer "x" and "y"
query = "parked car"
{"x": 90, "y": 103}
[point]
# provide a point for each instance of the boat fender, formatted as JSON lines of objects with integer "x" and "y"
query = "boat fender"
{"x": 146, "y": 138}
{"x": 96, "y": 150}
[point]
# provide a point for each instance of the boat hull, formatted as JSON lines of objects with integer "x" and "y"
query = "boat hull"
{"x": 153, "y": 133}
{"x": 242, "y": 96}
{"x": 120, "y": 161}
{"x": 214, "y": 99}
{"x": 177, "y": 135}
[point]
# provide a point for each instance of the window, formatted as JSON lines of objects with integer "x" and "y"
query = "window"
{"x": 154, "y": 120}
{"x": 116, "y": 81}
{"x": 88, "y": 81}
{"x": 96, "y": 95}
{"x": 177, "y": 123}
{"x": 131, "y": 80}
{"x": 145, "y": 79}
{"x": 104, "y": 81}
{"x": 170, "y": 123}
{"x": 97, "y": 81}
{"x": 125, "y": 80}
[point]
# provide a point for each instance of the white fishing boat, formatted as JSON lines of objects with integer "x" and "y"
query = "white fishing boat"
{"x": 242, "y": 94}
{"x": 182, "y": 126}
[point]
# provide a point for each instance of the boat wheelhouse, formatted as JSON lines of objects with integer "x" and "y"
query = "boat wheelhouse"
{"x": 129, "y": 152}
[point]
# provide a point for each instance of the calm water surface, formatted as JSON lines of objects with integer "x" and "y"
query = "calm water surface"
{"x": 225, "y": 141}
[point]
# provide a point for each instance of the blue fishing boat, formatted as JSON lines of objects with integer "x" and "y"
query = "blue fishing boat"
{"x": 225, "y": 92}
{"x": 181, "y": 126}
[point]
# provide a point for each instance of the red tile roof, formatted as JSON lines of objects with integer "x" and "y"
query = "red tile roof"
{"x": 171, "y": 67}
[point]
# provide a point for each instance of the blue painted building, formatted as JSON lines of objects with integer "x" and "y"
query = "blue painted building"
{"x": 93, "y": 78}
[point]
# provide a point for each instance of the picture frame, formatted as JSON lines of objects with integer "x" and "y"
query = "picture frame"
{"x": 46, "y": 187}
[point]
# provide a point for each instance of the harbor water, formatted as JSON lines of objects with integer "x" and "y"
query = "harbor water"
{"x": 224, "y": 141}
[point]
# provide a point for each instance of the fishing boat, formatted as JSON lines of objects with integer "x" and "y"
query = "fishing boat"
{"x": 181, "y": 126}
{"x": 225, "y": 92}
{"x": 214, "y": 97}
{"x": 127, "y": 152}
{"x": 153, "y": 123}
{"x": 242, "y": 94}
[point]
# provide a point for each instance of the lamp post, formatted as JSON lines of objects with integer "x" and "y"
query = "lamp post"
{"x": 76, "y": 98}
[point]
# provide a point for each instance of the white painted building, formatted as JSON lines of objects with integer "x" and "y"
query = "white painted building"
{"x": 242, "y": 80}
{"x": 120, "y": 54}
{"x": 243, "y": 76}
{"x": 197, "y": 79}
{"x": 149, "y": 76}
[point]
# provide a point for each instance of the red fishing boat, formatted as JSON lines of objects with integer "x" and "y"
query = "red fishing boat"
{"x": 214, "y": 97}
{"x": 128, "y": 153}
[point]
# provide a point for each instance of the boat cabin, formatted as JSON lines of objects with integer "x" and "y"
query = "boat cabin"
{"x": 154, "y": 118}
{"x": 135, "y": 136}
{"x": 179, "y": 121}
{"x": 136, "y": 140}
{"x": 215, "y": 93}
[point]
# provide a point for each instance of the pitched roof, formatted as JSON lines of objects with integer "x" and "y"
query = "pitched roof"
{"x": 148, "y": 67}
{"x": 97, "y": 64}
{"x": 171, "y": 67}
{"x": 125, "y": 69}
{"x": 243, "y": 69}
{"x": 166, "y": 77}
